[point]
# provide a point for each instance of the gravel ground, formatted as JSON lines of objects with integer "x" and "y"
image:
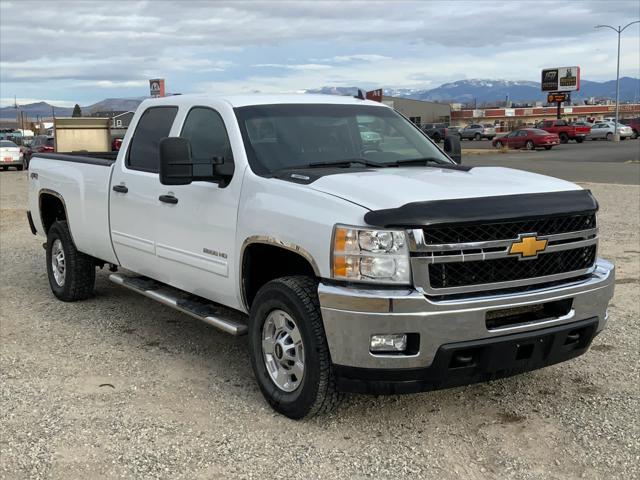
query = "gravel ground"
{"x": 121, "y": 387}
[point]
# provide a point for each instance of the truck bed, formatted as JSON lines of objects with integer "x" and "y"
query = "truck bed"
{"x": 105, "y": 159}
{"x": 81, "y": 181}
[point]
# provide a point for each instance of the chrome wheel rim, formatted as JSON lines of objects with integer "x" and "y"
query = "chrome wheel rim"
{"x": 283, "y": 350}
{"x": 58, "y": 264}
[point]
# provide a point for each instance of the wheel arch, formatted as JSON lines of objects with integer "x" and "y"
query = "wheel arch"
{"x": 268, "y": 251}
{"x": 51, "y": 208}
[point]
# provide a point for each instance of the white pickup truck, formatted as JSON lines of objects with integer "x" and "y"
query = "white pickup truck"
{"x": 354, "y": 266}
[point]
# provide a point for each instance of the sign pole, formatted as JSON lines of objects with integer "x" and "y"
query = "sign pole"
{"x": 558, "y": 111}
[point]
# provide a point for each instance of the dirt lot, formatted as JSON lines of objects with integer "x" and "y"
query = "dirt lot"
{"x": 121, "y": 387}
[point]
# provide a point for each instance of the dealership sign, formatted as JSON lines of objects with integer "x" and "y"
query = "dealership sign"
{"x": 156, "y": 87}
{"x": 561, "y": 79}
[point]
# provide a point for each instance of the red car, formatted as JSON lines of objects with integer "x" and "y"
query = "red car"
{"x": 529, "y": 138}
{"x": 565, "y": 131}
{"x": 634, "y": 123}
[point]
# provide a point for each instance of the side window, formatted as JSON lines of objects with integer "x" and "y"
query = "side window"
{"x": 153, "y": 126}
{"x": 205, "y": 129}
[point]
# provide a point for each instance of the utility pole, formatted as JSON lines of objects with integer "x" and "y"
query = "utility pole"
{"x": 619, "y": 30}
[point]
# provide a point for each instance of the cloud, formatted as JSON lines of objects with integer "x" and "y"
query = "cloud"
{"x": 87, "y": 48}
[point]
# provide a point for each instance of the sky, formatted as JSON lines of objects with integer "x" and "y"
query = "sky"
{"x": 82, "y": 52}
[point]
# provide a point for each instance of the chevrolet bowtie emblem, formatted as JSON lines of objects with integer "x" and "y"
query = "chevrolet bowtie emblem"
{"x": 528, "y": 246}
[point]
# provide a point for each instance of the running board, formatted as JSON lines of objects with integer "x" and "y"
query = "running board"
{"x": 222, "y": 318}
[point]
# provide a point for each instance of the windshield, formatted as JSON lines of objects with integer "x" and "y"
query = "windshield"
{"x": 279, "y": 137}
{"x": 6, "y": 143}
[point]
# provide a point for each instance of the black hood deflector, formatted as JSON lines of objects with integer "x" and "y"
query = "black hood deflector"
{"x": 485, "y": 209}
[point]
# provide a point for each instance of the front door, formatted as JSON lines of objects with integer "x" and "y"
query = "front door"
{"x": 134, "y": 193}
{"x": 195, "y": 243}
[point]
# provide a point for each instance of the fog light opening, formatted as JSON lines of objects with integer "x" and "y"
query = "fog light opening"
{"x": 388, "y": 343}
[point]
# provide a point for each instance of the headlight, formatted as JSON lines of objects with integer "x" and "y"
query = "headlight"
{"x": 365, "y": 255}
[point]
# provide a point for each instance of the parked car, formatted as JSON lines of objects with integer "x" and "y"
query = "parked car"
{"x": 10, "y": 155}
{"x": 605, "y": 131}
{"x": 529, "y": 138}
{"x": 435, "y": 131}
{"x": 476, "y": 131}
{"x": 346, "y": 274}
{"x": 634, "y": 124}
{"x": 565, "y": 131}
{"x": 40, "y": 144}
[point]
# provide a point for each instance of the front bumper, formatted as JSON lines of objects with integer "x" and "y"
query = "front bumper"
{"x": 352, "y": 315}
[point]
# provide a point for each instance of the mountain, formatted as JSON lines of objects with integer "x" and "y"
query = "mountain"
{"x": 487, "y": 91}
{"x": 463, "y": 91}
{"x": 43, "y": 109}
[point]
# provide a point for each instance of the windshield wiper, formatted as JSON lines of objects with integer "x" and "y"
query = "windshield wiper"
{"x": 418, "y": 162}
{"x": 347, "y": 162}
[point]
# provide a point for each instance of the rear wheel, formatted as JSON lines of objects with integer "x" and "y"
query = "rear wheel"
{"x": 547, "y": 148}
{"x": 72, "y": 274}
{"x": 635, "y": 134}
{"x": 477, "y": 136}
{"x": 579, "y": 140}
{"x": 289, "y": 351}
{"x": 609, "y": 136}
{"x": 3, "y": 168}
{"x": 564, "y": 138}
{"x": 499, "y": 144}
{"x": 19, "y": 167}
{"x": 529, "y": 145}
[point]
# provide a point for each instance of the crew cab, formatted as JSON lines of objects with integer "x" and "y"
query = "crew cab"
{"x": 352, "y": 268}
{"x": 564, "y": 130}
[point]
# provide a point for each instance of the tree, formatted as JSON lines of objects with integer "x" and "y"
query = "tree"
{"x": 77, "y": 112}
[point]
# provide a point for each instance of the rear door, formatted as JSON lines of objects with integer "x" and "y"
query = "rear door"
{"x": 196, "y": 236}
{"x": 135, "y": 187}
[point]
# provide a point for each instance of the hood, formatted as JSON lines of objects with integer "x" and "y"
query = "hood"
{"x": 394, "y": 187}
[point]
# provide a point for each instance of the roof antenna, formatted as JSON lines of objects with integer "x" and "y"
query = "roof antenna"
{"x": 360, "y": 95}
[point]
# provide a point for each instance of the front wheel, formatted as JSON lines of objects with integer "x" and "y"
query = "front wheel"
{"x": 19, "y": 167}
{"x": 579, "y": 140}
{"x": 499, "y": 144}
{"x": 564, "y": 138}
{"x": 609, "y": 136}
{"x": 289, "y": 351}
{"x": 477, "y": 137}
{"x": 72, "y": 274}
{"x": 547, "y": 148}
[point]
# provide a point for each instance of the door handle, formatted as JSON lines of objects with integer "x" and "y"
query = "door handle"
{"x": 168, "y": 199}
{"x": 120, "y": 189}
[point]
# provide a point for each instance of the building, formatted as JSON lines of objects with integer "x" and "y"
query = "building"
{"x": 509, "y": 118}
{"x": 419, "y": 111}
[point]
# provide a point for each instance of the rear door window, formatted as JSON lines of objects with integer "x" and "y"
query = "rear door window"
{"x": 154, "y": 125}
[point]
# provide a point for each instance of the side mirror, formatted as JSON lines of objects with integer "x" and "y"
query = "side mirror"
{"x": 453, "y": 148}
{"x": 176, "y": 166}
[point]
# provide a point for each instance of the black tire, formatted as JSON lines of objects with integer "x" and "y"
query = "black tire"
{"x": 609, "y": 136}
{"x": 477, "y": 136}
{"x": 19, "y": 167}
{"x": 634, "y": 135}
{"x": 529, "y": 145}
{"x": 579, "y": 140}
{"x": 3, "y": 168}
{"x": 297, "y": 296}
{"x": 498, "y": 144}
{"x": 564, "y": 138}
{"x": 547, "y": 148}
{"x": 79, "y": 271}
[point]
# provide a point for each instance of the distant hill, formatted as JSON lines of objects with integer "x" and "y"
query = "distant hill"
{"x": 462, "y": 91}
{"x": 483, "y": 90}
{"x": 43, "y": 109}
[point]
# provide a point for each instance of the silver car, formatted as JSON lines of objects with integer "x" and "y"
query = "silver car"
{"x": 605, "y": 130}
{"x": 476, "y": 131}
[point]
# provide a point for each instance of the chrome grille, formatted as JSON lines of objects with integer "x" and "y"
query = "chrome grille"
{"x": 486, "y": 264}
